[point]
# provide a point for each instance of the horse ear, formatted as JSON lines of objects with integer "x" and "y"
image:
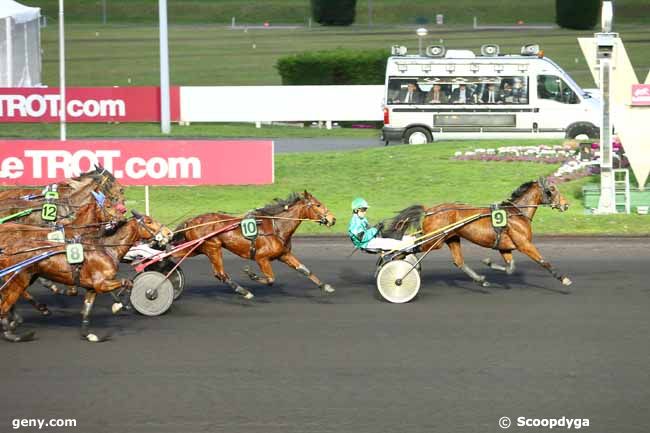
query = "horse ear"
{"x": 307, "y": 194}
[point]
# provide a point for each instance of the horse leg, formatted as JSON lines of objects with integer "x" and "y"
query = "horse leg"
{"x": 266, "y": 268}
{"x": 70, "y": 291}
{"x": 457, "y": 256}
{"x": 527, "y": 247}
{"x": 216, "y": 258}
{"x": 509, "y": 268}
{"x": 10, "y": 295}
{"x": 291, "y": 261}
{"x": 37, "y": 305}
{"x": 89, "y": 302}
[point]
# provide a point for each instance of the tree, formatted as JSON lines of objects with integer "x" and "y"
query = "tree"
{"x": 334, "y": 12}
{"x": 577, "y": 14}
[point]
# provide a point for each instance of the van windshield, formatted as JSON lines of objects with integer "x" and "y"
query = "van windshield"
{"x": 457, "y": 90}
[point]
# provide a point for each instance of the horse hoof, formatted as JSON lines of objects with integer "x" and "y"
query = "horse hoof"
{"x": 566, "y": 281}
{"x": 94, "y": 338}
{"x": 326, "y": 288}
{"x": 43, "y": 309}
{"x": 484, "y": 284}
{"x": 486, "y": 262}
{"x": 17, "y": 338}
{"x": 116, "y": 307}
{"x": 72, "y": 292}
{"x": 249, "y": 296}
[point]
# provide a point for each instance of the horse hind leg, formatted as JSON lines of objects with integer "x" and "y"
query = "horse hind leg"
{"x": 42, "y": 308}
{"x": 459, "y": 261}
{"x": 216, "y": 259}
{"x": 267, "y": 270}
{"x": 10, "y": 295}
{"x": 509, "y": 260}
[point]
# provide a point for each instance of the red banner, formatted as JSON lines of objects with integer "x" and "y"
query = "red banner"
{"x": 641, "y": 94}
{"x": 86, "y": 104}
{"x": 139, "y": 162}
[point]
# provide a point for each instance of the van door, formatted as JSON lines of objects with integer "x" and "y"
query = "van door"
{"x": 559, "y": 105}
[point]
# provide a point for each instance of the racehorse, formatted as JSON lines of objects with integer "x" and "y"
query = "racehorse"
{"x": 277, "y": 223}
{"x": 96, "y": 273}
{"x": 73, "y": 193}
{"x": 90, "y": 218}
{"x": 516, "y": 235}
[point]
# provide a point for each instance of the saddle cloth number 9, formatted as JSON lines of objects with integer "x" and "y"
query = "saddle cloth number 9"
{"x": 499, "y": 218}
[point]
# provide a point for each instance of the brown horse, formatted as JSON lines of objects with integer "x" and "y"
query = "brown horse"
{"x": 277, "y": 223}
{"x": 89, "y": 219}
{"x": 516, "y": 235}
{"x": 96, "y": 273}
{"x": 73, "y": 193}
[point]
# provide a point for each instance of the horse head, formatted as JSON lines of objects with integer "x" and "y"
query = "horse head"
{"x": 148, "y": 228}
{"x": 317, "y": 211}
{"x": 552, "y": 196}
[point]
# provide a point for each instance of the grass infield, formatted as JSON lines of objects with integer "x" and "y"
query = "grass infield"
{"x": 390, "y": 178}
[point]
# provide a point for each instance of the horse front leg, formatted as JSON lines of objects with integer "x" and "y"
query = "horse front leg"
{"x": 291, "y": 261}
{"x": 509, "y": 260}
{"x": 527, "y": 247}
{"x": 266, "y": 268}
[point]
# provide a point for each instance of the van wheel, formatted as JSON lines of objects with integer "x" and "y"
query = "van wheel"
{"x": 417, "y": 135}
{"x": 575, "y": 130}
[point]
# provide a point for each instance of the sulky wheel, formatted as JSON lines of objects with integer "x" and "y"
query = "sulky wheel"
{"x": 413, "y": 259}
{"x": 177, "y": 277}
{"x": 152, "y": 294}
{"x": 398, "y": 282}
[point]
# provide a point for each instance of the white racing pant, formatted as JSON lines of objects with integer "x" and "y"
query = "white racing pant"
{"x": 139, "y": 252}
{"x": 388, "y": 244}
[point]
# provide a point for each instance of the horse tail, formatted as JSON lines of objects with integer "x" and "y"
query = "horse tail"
{"x": 406, "y": 219}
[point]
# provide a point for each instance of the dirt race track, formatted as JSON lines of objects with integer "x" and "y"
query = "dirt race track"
{"x": 456, "y": 359}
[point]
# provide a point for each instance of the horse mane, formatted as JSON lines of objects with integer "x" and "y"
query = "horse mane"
{"x": 411, "y": 217}
{"x": 97, "y": 175}
{"x": 279, "y": 205}
{"x": 516, "y": 194}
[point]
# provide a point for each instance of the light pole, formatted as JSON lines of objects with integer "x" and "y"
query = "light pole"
{"x": 62, "y": 102}
{"x": 605, "y": 42}
{"x": 421, "y": 32}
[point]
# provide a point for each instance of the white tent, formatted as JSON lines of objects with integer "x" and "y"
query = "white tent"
{"x": 20, "y": 45}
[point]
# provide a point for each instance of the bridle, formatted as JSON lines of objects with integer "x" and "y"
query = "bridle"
{"x": 322, "y": 217}
{"x": 158, "y": 236}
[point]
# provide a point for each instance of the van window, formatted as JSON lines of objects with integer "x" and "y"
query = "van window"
{"x": 457, "y": 90}
{"x": 554, "y": 88}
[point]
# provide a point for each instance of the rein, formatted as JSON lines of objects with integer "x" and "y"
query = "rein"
{"x": 239, "y": 219}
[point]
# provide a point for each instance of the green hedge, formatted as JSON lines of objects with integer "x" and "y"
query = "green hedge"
{"x": 334, "y": 12}
{"x": 577, "y": 14}
{"x": 334, "y": 67}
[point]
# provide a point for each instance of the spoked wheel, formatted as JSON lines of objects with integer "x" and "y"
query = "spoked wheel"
{"x": 177, "y": 277}
{"x": 152, "y": 294}
{"x": 398, "y": 282}
{"x": 413, "y": 259}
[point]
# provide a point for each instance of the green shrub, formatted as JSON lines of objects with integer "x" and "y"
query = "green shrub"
{"x": 338, "y": 66}
{"x": 577, "y": 14}
{"x": 334, "y": 12}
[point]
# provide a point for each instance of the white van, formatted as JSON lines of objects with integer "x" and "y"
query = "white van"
{"x": 457, "y": 95}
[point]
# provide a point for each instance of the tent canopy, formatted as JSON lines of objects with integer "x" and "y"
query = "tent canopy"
{"x": 20, "y": 13}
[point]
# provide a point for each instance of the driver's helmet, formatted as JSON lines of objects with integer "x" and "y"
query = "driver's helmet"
{"x": 358, "y": 203}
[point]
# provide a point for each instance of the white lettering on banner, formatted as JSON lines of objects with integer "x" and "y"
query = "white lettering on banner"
{"x": 52, "y": 164}
{"x": 38, "y": 105}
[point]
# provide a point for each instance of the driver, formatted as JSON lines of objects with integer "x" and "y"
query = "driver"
{"x": 364, "y": 236}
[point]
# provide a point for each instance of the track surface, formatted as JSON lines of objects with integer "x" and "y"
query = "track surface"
{"x": 454, "y": 360}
